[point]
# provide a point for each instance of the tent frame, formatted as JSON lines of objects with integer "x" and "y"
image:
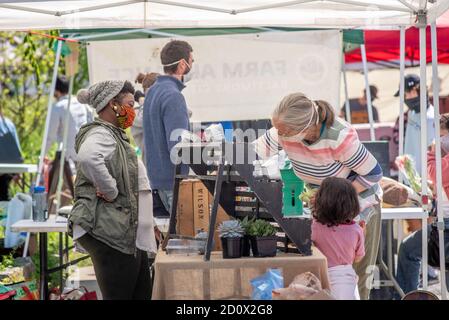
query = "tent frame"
{"x": 406, "y": 7}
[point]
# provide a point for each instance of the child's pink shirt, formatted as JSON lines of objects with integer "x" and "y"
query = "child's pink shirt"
{"x": 340, "y": 244}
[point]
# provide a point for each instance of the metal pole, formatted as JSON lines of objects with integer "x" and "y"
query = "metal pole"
{"x": 368, "y": 93}
{"x": 49, "y": 108}
{"x": 64, "y": 146}
{"x": 345, "y": 82}
{"x": 47, "y": 124}
{"x": 439, "y": 179}
{"x": 423, "y": 113}
{"x": 401, "y": 94}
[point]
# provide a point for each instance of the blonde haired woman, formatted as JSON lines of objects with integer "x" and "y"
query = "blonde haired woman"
{"x": 320, "y": 145}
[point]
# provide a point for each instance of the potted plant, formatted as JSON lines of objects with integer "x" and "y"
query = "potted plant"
{"x": 263, "y": 238}
{"x": 246, "y": 244}
{"x": 231, "y": 234}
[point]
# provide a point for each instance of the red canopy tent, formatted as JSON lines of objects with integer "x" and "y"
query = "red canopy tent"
{"x": 382, "y": 47}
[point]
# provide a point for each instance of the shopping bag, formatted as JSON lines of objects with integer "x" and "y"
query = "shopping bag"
{"x": 266, "y": 283}
{"x": 81, "y": 293}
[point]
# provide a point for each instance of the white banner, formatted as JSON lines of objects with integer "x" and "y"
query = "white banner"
{"x": 236, "y": 77}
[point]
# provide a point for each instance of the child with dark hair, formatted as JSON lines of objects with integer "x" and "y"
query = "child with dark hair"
{"x": 337, "y": 235}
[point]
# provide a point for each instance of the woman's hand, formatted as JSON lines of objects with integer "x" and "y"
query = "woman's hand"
{"x": 102, "y": 196}
{"x": 362, "y": 225}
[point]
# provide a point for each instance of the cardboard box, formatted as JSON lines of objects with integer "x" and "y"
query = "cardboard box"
{"x": 194, "y": 209}
{"x": 184, "y": 225}
{"x": 200, "y": 207}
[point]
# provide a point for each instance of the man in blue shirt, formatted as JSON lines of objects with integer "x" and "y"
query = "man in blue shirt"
{"x": 165, "y": 117}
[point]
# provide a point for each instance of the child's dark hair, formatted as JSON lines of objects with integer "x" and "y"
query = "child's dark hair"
{"x": 336, "y": 202}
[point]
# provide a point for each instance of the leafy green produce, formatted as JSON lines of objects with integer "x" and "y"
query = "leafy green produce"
{"x": 307, "y": 195}
{"x": 261, "y": 228}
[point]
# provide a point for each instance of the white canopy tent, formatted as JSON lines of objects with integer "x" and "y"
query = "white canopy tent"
{"x": 50, "y": 14}
{"x": 153, "y": 14}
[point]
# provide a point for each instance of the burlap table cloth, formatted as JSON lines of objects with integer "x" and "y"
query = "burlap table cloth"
{"x": 179, "y": 277}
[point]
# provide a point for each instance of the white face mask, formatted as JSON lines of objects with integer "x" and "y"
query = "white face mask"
{"x": 300, "y": 136}
{"x": 187, "y": 77}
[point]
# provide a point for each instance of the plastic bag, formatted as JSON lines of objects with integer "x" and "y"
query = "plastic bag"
{"x": 302, "y": 287}
{"x": 271, "y": 167}
{"x": 214, "y": 133}
{"x": 265, "y": 284}
{"x": 20, "y": 207}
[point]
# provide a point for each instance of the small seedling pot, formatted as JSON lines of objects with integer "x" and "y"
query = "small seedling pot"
{"x": 264, "y": 246}
{"x": 232, "y": 247}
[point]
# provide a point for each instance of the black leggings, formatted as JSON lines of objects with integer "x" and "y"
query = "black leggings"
{"x": 120, "y": 276}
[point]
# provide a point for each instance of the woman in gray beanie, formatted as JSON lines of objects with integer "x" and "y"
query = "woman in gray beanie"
{"x": 104, "y": 218}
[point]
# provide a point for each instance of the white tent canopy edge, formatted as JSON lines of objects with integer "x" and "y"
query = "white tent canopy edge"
{"x": 79, "y": 14}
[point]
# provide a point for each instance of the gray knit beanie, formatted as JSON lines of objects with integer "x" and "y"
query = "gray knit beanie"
{"x": 99, "y": 94}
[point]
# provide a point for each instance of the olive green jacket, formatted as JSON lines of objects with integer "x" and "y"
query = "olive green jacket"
{"x": 115, "y": 223}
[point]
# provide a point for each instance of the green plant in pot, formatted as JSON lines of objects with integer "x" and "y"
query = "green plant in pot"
{"x": 263, "y": 238}
{"x": 231, "y": 234}
{"x": 246, "y": 244}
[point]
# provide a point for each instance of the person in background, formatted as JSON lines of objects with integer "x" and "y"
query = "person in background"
{"x": 321, "y": 145}
{"x": 412, "y": 98}
{"x": 359, "y": 107}
{"x": 410, "y": 250}
{"x": 104, "y": 220}
{"x": 165, "y": 117}
{"x": 6, "y": 125}
{"x": 146, "y": 80}
{"x": 338, "y": 236}
{"x": 80, "y": 114}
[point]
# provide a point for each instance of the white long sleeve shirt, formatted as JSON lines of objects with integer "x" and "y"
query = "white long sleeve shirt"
{"x": 80, "y": 114}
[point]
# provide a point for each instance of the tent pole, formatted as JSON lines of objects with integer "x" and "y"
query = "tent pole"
{"x": 64, "y": 146}
{"x": 377, "y": 6}
{"x": 345, "y": 83}
{"x": 401, "y": 94}
{"x": 273, "y": 6}
{"x": 439, "y": 179}
{"x": 47, "y": 125}
{"x": 368, "y": 93}
{"x": 423, "y": 113}
{"x": 49, "y": 108}
{"x": 108, "y": 34}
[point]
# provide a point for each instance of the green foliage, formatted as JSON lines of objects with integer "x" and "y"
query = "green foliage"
{"x": 26, "y": 65}
{"x": 53, "y": 259}
{"x": 261, "y": 228}
{"x": 230, "y": 229}
{"x": 7, "y": 262}
{"x": 246, "y": 223}
{"x": 26, "y": 68}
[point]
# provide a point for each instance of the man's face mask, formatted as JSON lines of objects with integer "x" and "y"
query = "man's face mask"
{"x": 125, "y": 117}
{"x": 188, "y": 75}
{"x": 414, "y": 104}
